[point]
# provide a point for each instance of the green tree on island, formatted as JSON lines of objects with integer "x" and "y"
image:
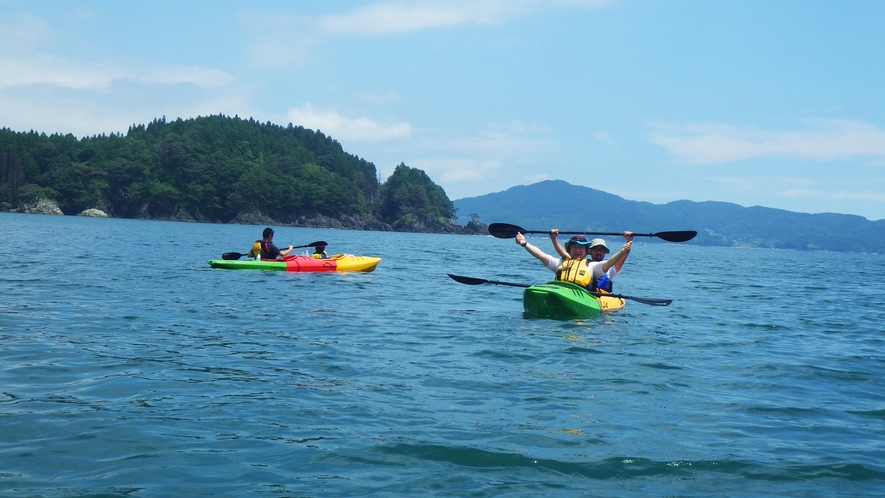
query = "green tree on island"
{"x": 409, "y": 196}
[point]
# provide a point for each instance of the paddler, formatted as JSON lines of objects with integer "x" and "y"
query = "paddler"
{"x": 597, "y": 252}
{"x": 269, "y": 251}
{"x": 319, "y": 251}
{"x": 575, "y": 268}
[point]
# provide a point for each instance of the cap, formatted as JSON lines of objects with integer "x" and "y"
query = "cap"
{"x": 577, "y": 239}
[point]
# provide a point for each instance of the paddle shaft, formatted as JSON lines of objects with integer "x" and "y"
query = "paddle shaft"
{"x": 508, "y": 231}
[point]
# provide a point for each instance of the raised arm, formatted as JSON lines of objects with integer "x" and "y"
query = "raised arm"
{"x": 628, "y": 236}
{"x": 616, "y": 257}
{"x": 534, "y": 251}
{"x": 556, "y": 245}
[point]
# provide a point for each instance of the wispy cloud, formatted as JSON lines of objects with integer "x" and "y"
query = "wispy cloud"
{"x": 24, "y": 32}
{"x": 388, "y": 18}
{"x": 718, "y": 143}
{"x": 83, "y": 75}
{"x": 382, "y": 19}
{"x": 360, "y": 129}
{"x": 465, "y": 163}
{"x": 282, "y": 39}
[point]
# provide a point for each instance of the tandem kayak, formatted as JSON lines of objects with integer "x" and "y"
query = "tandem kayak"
{"x": 338, "y": 262}
{"x": 566, "y": 300}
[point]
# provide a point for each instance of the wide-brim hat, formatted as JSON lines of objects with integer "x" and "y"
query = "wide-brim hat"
{"x": 599, "y": 242}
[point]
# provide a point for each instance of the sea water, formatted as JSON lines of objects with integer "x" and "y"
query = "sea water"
{"x": 129, "y": 367}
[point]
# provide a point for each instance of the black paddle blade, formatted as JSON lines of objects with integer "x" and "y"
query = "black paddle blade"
{"x": 313, "y": 244}
{"x": 676, "y": 236}
{"x": 477, "y": 281}
{"x": 505, "y": 230}
{"x": 466, "y": 280}
{"x": 231, "y": 255}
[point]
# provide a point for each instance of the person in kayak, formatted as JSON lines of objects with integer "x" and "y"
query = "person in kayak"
{"x": 268, "y": 250}
{"x": 597, "y": 252}
{"x": 319, "y": 252}
{"x": 574, "y": 268}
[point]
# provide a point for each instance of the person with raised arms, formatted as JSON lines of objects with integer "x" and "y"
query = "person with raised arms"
{"x": 575, "y": 267}
{"x": 597, "y": 252}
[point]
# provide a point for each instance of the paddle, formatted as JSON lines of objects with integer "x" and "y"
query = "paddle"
{"x": 237, "y": 255}
{"x": 477, "y": 281}
{"x": 508, "y": 231}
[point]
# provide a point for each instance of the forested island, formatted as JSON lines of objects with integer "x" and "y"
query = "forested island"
{"x": 218, "y": 169}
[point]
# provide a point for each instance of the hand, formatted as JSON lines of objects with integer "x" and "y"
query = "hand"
{"x": 554, "y": 233}
{"x": 628, "y": 236}
{"x": 627, "y": 246}
{"x": 520, "y": 239}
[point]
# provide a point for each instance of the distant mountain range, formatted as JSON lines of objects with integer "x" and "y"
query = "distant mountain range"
{"x": 558, "y": 204}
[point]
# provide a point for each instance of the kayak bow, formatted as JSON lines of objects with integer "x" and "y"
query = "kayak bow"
{"x": 566, "y": 300}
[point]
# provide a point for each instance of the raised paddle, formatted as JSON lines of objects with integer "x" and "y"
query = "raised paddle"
{"x": 477, "y": 281}
{"x": 238, "y": 255}
{"x": 508, "y": 231}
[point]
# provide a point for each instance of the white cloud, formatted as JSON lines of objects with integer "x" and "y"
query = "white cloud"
{"x": 391, "y": 18}
{"x": 466, "y": 164}
{"x": 388, "y": 18}
{"x": 285, "y": 39}
{"x": 605, "y": 137}
{"x": 717, "y": 143}
{"x": 459, "y": 170}
{"x": 24, "y": 32}
{"x": 82, "y": 75}
{"x": 344, "y": 128}
{"x": 201, "y": 76}
{"x": 57, "y": 71}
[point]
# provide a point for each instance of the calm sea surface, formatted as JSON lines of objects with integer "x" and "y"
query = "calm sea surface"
{"x": 131, "y": 368}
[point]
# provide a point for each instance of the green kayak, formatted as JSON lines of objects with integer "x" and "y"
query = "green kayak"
{"x": 566, "y": 300}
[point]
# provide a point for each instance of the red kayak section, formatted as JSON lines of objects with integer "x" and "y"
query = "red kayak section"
{"x": 306, "y": 263}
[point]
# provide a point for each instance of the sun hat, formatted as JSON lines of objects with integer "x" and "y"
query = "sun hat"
{"x": 577, "y": 239}
{"x": 599, "y": 242}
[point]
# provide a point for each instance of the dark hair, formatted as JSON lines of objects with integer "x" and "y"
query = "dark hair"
{"x": 267, "y": 232}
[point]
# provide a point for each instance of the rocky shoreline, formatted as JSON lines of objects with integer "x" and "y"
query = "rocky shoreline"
{"x": 344, "y": 222}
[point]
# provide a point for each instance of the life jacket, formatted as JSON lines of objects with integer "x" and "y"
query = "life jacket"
{"x": 576, "y": 271}
{"x": 255, "y": 252}
{"x": 265, "y": 250}
{"x": 603, "y": 284}
{"x": 320, "y": 255}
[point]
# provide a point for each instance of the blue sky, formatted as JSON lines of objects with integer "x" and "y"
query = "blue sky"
{"x": 778, "y": 104}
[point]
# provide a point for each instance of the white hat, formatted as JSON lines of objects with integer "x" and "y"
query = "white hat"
{"x": 599, "y": 242}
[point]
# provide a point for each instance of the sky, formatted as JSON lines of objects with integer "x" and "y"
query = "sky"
{"x": 760, "y": 103}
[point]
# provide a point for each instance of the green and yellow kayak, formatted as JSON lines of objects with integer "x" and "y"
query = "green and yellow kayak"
{"x": 566, "y": 300}
{"x": 338, "y": 262}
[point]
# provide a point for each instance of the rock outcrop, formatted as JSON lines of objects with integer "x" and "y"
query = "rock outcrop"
{"x": 40, "y": 206}
{"x": 93, "y": 213}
